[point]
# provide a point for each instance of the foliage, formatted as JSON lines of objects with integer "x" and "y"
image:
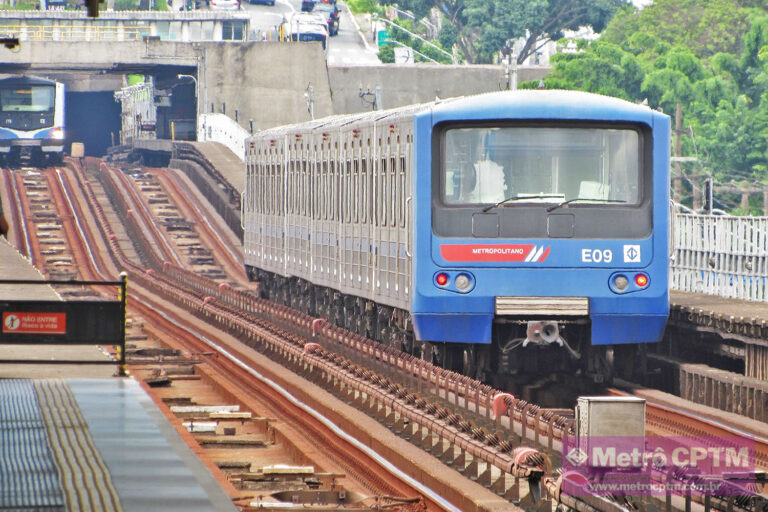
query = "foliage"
{"x": 706, "y": 27}
{"x": 710, "y": 56}
{"x": 387, "y": 54}
{"x": 415, "y": 43}
{"x": 481, "y": 28}
{"x": 20, "y": 6}
{"x": 361, "y": 6}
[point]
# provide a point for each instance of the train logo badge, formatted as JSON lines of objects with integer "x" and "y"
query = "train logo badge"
{"x": 631, "y": 254}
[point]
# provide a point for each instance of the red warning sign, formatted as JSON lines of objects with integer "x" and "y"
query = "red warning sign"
{"x": 34, "y": 323}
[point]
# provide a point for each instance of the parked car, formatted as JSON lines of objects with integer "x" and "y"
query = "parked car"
{"x": 307, "y": 5}
{"x": 264, "y": 2}
{"x": 229, "y": 5}
{"x": 309, "y": 18}
{"x": 307, "y": 30}
{"x": 331, "y": 14}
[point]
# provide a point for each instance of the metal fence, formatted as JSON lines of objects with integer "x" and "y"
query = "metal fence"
{"x": 723, "y": 256}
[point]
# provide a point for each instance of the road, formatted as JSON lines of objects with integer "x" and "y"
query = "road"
{"x": 348, "y": 48}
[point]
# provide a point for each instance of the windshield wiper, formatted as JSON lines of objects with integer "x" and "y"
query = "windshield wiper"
{"x": 575, "y": 199}
{"x": 520, "y": 198}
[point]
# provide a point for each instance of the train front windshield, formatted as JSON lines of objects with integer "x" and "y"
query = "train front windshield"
{"x": 487, "y": 165}
{"x": 38, "y": 98}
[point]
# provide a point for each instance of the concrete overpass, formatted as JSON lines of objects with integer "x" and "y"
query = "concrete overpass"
{"x": 266, "y": 82}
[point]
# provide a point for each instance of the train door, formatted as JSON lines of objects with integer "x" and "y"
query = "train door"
{"x": 251, "y": 206}
{"x": 346, "y": 188}
{"x": 386, "y": 235}
{"x": 274, "y": 199}
{"x": 365, "y": 205}
{"x": 393, "y": 209}
{"x": 405, "y": 224}
{"x": 296, "y": 167}
{"x": 304, "y": 205}
{"x": 324, "y": 229}
{"x": 335, "y": 209}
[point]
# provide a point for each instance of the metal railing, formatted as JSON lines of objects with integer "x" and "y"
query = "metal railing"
{"x": 73, "y": 33}
{"x": 222, "y": 128}
{"x": 719, "y": 255}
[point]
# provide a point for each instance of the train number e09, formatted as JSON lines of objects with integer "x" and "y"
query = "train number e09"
{"x": 596, "y": 255}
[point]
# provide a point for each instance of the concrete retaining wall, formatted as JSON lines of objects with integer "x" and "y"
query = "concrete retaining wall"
{"x": 266, "y": 82}
{"x": 406, "y": 85}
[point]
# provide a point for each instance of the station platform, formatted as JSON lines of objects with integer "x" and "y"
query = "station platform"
{"x": 14, "y": 266}
{"x": 95, "y": 445}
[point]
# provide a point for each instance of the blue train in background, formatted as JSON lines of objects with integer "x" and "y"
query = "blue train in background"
{"x": 507, "y": 234}
{"x": 32, "y": 127}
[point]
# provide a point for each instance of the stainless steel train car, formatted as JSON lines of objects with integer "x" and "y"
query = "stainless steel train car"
{"x": 32, "y": 127}
{"x": 506, "y": 233}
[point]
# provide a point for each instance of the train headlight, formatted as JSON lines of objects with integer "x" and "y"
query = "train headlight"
{"x": 641, "y": 280}
{"x": 57, "y": 133}
{"x": 463, "y": 282}
{"x": 441, "y": 279}
{"x": 620, "y": 282}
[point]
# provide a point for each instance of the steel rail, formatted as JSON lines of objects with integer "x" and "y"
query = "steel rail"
{"x": 360, "y": 465}
{"x": 521, "y": 417}
{"x": 236, "y": 366}
{"x": 180, "y": 189}
{"x": 137, "y": 204}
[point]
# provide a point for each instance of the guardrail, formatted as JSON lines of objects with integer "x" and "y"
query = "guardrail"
{"x": 719, "y": 255}
{"x": 74, "y": 33}
{"x": 221, "y": 128}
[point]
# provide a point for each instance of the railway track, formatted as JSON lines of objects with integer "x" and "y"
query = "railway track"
{"x": 354, "y": 461}
{"x": 508, "y": 445}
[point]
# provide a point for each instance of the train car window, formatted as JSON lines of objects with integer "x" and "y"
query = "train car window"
{"x": 298, "y": 186}
{"x": 305, "y": 197}
{"x": 357, "y": 198}
{"x": 273, "y": 188}
{"x": 381, "y": 195}
{"x": 288, "y": 180}
{"x": 365, "y": 189}
{"x": 402, "y": 192}
{"x": 281, "y": 204}
{"x": 332, "y": 183}
{"x": 35, "y": 98}
{"x": 295, "y": 187}
{"x": 485, "y": 165}
{"x": 346, "y": 183}
{"x": 371, "y": 181}
{"x": 321, "y": 188}
{"x": 257, "y": 188}
{"x": 393, "y": 193}
{"x": 269, "y": 192}
{"x": 296, "y": 197}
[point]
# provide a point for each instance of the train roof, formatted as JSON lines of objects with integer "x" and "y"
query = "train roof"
{"x": 542, "y": 104}
{"x": 26, "y": 80}
{"x": 519, "y": 104}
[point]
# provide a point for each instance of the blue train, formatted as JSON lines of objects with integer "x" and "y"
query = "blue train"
{"x": 32, "y": 127}
{"x": 502, "y": 234}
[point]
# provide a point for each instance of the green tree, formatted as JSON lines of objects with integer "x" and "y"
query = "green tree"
{"x": 710, "y": 56}
{"x": 482, "y": 27}
{"x": 705, "y": 27}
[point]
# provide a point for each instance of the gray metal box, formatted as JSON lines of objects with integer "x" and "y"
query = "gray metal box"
{"x": 601, "y": 417}
{"x": 610, "y": 416}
